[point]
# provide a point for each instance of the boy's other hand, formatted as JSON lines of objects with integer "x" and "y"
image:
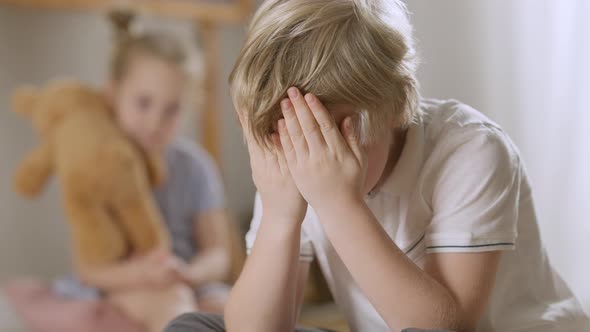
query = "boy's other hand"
{"x": 281, "y": 199}
{"x": 327, "y": 164}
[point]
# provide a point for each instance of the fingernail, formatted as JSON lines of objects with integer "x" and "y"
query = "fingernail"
{"x": 285, "y": 104}
{"x": 293, "y": 92}
{"x": 309, "y": 98}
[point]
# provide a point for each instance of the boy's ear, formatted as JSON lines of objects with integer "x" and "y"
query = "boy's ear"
{"x": 24, "y": 100}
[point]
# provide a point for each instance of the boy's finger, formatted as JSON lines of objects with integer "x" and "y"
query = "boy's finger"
{"x": 286, "y": 144}
{"x": 284, "y": 167}
{"x": 308, "y": 123}
{"x": 325, "y": 121}
{"x": 294, "y": 128}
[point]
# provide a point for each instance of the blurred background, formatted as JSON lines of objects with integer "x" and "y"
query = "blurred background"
{"x": 524, "y": 63}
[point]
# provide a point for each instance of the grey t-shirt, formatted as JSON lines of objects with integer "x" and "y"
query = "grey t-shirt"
{"x": 193, "y": 187}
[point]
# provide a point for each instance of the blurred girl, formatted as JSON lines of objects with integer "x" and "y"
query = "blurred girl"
{"x": 146, "y": 86}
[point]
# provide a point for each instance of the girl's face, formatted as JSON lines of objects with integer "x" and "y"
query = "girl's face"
{"x": 147, "y": 101}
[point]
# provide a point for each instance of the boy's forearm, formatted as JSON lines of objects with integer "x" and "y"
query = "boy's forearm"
{"x": 402, "y": 293}
{"x": 264, "y": 297}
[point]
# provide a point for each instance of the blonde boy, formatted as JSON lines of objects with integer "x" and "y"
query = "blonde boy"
{"x": 419, "y": 212}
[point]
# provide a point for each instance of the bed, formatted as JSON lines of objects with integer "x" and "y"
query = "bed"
{"x": 9, "y": 322}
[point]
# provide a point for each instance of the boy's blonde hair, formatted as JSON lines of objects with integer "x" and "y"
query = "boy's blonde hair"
{"x": 127, "y": 45}
{"x": 357, "y": 52}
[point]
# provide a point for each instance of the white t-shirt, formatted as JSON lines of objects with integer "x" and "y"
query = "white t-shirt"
{"x": 459, "y": 186}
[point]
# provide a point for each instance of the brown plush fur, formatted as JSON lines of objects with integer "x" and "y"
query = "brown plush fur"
{"x": 105, "y": 178}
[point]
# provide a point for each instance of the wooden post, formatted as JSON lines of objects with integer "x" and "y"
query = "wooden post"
{"x": 210, "y": 119}
{"x": 223, "y": 12}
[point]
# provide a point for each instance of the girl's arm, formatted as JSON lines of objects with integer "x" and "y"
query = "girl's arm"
{"x": 117, "y": 276}
{"x": 155, "y": 269}
{"x": 212, "y": 262}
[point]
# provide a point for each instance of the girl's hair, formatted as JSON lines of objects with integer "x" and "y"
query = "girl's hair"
{"x": 357, "y": 52}
{"x": 127, "y": 45}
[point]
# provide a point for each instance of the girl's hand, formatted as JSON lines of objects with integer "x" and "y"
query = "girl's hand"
{"x": 281, "y": 199}
{"x": 160, "y": 268}
{"x": 328, "y": 167}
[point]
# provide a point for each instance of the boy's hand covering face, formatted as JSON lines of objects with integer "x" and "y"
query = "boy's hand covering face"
{"x": 328, "y": 165}
{"x": 281, "y": 199}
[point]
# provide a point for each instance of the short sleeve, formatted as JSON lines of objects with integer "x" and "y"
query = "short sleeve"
{"x": 475, "y": 198}
{"x": 306, "y": 252}
{"x": 204, "y": 182}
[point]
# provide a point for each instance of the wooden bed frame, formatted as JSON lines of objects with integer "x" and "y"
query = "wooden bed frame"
{"x": 215, "y": 11}
{"x": 207, "y": 15}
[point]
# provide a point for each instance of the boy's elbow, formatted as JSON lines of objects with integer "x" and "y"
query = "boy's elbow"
{"x": 453, "y": 318}
{"x": 236, "y": 320}
{"x": 229, "y": 313}
{"x": 446, "y": 316}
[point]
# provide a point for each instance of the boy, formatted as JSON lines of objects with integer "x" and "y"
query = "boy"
{"x": 420, "y": 212}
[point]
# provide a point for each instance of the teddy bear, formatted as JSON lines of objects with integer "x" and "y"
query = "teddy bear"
{"x": 105, "y": 178}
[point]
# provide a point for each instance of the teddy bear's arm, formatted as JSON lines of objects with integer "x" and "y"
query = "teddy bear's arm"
{"x": 141, "y": 220}
{"x": 34, "y": 170}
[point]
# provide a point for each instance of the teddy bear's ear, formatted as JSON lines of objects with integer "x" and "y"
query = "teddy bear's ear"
{"x": 24, "y": 99}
